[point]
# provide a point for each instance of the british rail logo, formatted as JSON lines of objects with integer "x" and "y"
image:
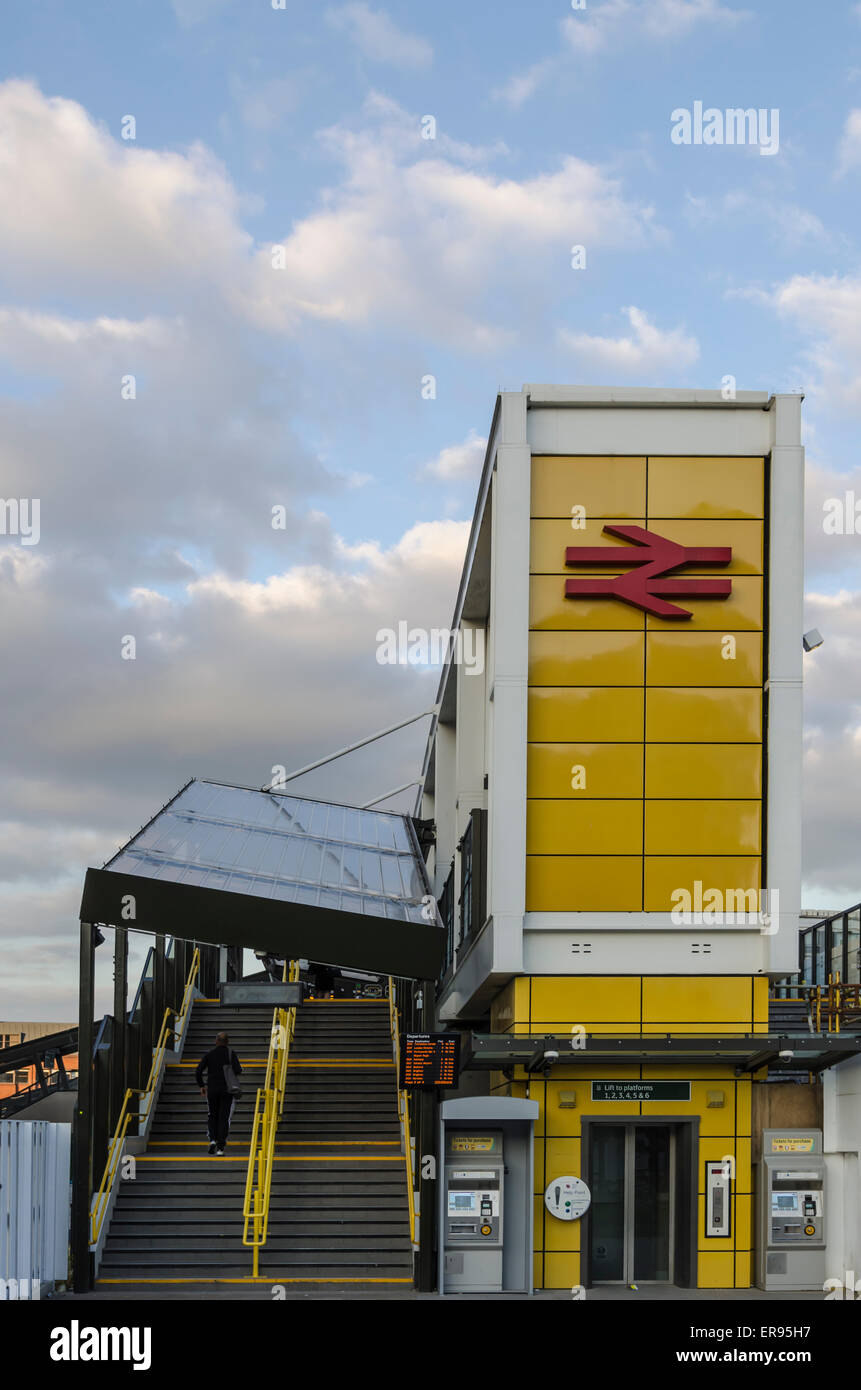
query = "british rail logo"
{"x": 653, "y": 556}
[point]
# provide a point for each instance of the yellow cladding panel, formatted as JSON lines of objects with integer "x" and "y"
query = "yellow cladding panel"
{"x": 706, "y": 487}
{"x": 741, "y": 611}
{"x": 710, "y": 998}
{"x": 703, "y": 770}
{"x": 584, "y": 770}
{"x": 560, "y": 1271}
{"x": 666, "y": 875}
{"x": 568, "y": 883}
{"x": 584, "y": 827}
{"x": 701, "y": 658}
{"x": 604, "y": 486}
{"x": 743, "y": 1270}
{"x": 550, "y": 610}
{"x": 587, "y": 714}
{"x": 585, "y": 999}
{"x": 701, "y": 715}
{"x": 551, "y": 539}
{"x": 714, "y": 1271}
{"x": 760, "y": 987}
{"x": 510, "y": 1006}
{"x": 586, "y": 658}
{"x": 702, "y": 827}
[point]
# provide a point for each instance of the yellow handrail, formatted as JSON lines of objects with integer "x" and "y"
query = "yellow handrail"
{"x": 403, "y": 1109}
{"x": 268, "y": 1108}
{"x": 101, "y": 1198}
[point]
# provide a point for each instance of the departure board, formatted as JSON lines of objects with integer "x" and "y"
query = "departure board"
{"x": 431, "y": 1059}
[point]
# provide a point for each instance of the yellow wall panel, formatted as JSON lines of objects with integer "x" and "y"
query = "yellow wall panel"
{"x": 604, "y": 486}
{"x": 711, "y": 998}
{"x": 744, "y": 538}
{"x": 568, "y": 883}
{"x": 741, "y": 611}
{"x": 702, "y": 715}
{"x": 586, "y": 714}
{"x": 549, "y": 541}
{"x": 551, "y": 538}
{"x": 665, "y": 874}
{"x": 561, "y": 1271}
{"x": 715, "y": 1271}
{"x": 703, "y": 827}
{"x": 743, "y": 1271}
{"x": 701, "y": 658}
{"x": 705, "y": 487}
{"x": 585, "y": 827}
{"x": 714, "y": 770}
{"x": 550, "y": 610}
{"x": 584, "y": 998}
{"x": 608, "y": 769}
{"x": 586, "y": 658}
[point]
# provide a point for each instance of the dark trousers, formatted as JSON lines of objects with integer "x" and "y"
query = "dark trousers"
{"x": 220, "y": 1114}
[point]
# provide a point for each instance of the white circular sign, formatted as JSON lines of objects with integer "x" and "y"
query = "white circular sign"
{"x": 567, "y": 1198}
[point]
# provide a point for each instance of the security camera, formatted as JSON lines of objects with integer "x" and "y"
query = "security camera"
{"x": 551, "y": 1057}
{"x": 787, "y": 1055}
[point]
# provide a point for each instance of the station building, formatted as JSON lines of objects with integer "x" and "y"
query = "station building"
{"x": 616, "y": 791}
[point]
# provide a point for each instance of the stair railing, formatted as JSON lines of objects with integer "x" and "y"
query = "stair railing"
{"x": 268, "y": 1107}
{"x": 102, "y": 1198}
{"x": 403, "y": 1108}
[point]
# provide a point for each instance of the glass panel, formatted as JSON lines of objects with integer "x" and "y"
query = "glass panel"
{"x": 608, "y": 1202}
{"x": 837, "y": 938}
{"x": 853, "y": 942}
{"x": 819, "y": 956}
{"x": 807, "y": 958}
{"x": 651, "y": 1202}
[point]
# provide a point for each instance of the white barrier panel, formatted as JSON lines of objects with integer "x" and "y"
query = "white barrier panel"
{"x": 35, "y": 1210}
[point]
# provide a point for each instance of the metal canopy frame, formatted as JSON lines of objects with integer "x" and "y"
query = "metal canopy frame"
{"x": 334, "y": 936}
{"x": 745, "y": 1052}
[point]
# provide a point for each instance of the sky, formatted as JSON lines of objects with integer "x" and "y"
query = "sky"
{"x": 236, "y": 239}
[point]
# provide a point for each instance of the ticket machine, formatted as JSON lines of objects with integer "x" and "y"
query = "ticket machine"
{"x": 486, "y": 1195}
{"x": 474, "y": 1185}
{"x": 790, "y": 1201}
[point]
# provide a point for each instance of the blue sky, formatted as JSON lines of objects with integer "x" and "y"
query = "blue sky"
{"x": 300, "y": 386}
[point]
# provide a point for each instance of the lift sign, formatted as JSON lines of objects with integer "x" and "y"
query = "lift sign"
{"x": 431, "y": 1059}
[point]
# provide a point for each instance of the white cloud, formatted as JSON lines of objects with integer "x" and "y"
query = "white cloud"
{"x": 849, "y": 150}
{"x": 412, "y": 237}
{"x": 411, "y": 231}
{"x": 646, "y": 349}
{"x": 788, "y": 224}
{"x": 600, "y": 28}
{"x": 378, "y": 38}
{"x": 827, "y": 309}
{"x": 459, "y": 462}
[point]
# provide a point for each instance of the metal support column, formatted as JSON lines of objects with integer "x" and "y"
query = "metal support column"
{"x": 82, "y": 1130}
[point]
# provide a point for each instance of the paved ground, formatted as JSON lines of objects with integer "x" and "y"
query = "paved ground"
{"x": 658, "y": 1293}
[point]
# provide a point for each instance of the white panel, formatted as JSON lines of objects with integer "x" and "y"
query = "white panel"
{"x": 581, "y": 430}
{"x": 642, "y": 953}
{"x": 35, "y": 1158}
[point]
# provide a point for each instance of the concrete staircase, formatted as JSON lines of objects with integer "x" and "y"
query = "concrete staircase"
{"x": 338, "y": 1211}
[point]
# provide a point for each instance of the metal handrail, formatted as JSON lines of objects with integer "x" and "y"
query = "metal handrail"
{"x": 268, "y": 1107}
{"x": 403, "y": 1109}
{"x": 101, "y": 1199}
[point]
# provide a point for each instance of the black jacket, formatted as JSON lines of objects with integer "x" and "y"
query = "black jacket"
{"x": 213, "y": 1064}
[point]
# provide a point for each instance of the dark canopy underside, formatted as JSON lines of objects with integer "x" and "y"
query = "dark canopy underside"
{"x": 238, "y": 867}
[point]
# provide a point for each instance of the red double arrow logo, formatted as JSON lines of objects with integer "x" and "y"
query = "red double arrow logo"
{"x": 654, "y": 555}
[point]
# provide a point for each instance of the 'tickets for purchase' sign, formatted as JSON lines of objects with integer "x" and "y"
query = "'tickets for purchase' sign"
{"x": 654, "y": 556}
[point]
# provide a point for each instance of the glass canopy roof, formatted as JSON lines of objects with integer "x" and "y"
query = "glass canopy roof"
{"x": 271, "y": 845}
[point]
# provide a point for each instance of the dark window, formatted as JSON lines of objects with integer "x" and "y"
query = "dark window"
{"x": 473, "y": 896}
{"x": 446, "y": 912}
